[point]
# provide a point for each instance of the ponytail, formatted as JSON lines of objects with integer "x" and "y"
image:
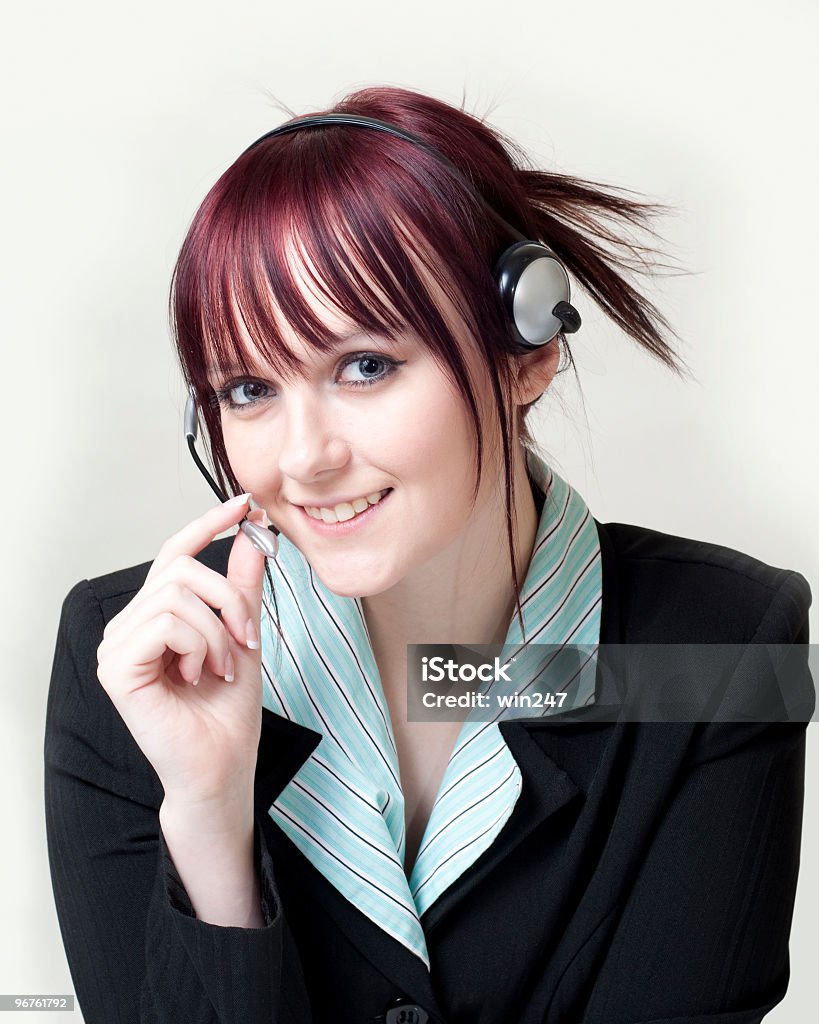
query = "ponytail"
{"x": 570, "y": 215}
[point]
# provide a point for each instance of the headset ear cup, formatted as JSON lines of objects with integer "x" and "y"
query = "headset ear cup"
{"x": 532, "y": 282}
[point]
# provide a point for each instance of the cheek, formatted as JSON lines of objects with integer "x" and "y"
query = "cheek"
{"x": 254, "y": 469}
{"x": 435, "y": 425}
{"x": 433, "y": 449}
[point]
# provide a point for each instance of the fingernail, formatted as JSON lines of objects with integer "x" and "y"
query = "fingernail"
{"x": 240, "y": 499}
{"x": 252, "y": 635}
{"x": 228, "y": 667}
{"x": 259, "y": 516}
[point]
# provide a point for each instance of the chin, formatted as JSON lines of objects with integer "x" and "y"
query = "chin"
{"x": 356, "y": 581}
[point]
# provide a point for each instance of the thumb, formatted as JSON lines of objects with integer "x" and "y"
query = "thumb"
{"x": 246, "y": 565}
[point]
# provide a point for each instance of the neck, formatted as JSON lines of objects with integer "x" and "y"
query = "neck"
{"x": 464, "y": 595}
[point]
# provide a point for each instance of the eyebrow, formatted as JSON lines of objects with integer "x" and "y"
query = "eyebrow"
{"x": 334, "y": 345}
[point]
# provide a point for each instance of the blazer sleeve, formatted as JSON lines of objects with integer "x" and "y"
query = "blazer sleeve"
{"x": 136, "y": 951}
{"x": 703, "y": 937}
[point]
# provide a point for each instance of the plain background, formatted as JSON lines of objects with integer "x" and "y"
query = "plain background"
{"x": 117, "y": 120}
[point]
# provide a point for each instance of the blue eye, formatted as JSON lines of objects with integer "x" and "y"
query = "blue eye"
{"x": 225, "y": 395}
{"x": 368, "y": 359}
{"x": 242, "y": 394}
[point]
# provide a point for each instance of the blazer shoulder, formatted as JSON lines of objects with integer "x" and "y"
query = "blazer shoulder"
{"x": 676, "y": 589}
{"x": 114, "y": 590}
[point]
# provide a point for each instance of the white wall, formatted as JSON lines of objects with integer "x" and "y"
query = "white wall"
{"x": 118, "y": 118}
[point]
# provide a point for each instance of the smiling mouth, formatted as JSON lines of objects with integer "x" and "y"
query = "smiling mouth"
{"x": 345, "y": 511}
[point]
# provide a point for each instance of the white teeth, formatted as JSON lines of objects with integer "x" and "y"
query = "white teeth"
{"x": 329, "y": 514}
{"x": 346, "y": 510}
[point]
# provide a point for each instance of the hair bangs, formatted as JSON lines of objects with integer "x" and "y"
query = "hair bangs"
{"x": 365, "y": 267}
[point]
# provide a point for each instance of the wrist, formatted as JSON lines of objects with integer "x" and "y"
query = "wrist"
{"x": 212, "y": 852}
{"x": 211, "y": 817}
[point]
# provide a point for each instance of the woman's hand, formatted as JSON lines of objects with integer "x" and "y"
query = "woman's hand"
{"x": 201, "y": 739}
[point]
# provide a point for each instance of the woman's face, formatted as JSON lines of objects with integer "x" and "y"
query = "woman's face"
{"x": 374, "y": 416}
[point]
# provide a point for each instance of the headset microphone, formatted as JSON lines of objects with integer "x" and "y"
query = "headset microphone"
{"x": 264, "y": 540}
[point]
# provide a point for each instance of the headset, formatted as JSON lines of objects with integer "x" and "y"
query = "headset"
{"x": 532, "y": 281}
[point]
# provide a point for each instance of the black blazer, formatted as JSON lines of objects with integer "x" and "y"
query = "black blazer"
{"x": 646, "y": 874}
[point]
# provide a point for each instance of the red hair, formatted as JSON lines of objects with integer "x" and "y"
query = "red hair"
{"x": 336, "y": 192}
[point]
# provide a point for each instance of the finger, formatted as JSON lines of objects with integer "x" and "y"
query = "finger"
{"x": 175, "y": 597}
{"x": 210, "y": 586}
{"x": 137, "y": 661}
{"x": 191, "y": 539}
{"x": 246, "y": 567}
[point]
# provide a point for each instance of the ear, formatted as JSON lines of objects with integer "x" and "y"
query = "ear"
{"x": 534, "y": 371}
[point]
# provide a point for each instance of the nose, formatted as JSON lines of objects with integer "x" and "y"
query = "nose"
{"x": 311, "y": 442}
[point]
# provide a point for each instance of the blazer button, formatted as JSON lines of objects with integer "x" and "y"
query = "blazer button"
{"x": 406, "y": 1013}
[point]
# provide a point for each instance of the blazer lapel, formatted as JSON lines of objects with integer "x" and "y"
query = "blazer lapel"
{"x": 284, "y": 746}
{"x": 547, "y": 788}
{"x": 391, "y": 958}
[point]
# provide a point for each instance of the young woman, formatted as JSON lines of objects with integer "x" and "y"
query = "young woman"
{"x": 245, "y": 824}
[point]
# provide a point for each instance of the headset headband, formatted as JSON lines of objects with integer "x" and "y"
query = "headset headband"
{"x": 533, "y": 283}
{"x": 319, "y": 120}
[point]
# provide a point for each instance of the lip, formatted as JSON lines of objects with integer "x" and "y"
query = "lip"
{"x": 358, "y": 522}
